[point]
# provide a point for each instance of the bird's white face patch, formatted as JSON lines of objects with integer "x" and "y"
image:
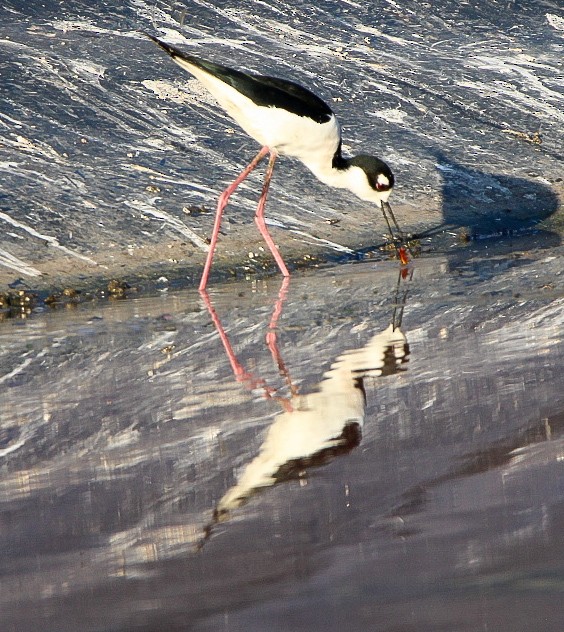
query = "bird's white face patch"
{"x": 382, "y": 182}
{"x": 356, "y": 180}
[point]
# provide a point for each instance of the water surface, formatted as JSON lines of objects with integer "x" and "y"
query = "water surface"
{"x": 356, "y": 450}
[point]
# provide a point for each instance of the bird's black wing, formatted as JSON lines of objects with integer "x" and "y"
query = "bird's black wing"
{"x": 264, "y": 91}
{"x": 290, "y": 96}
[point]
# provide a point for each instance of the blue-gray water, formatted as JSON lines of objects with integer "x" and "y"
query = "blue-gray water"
{"x": 124, "y": 429}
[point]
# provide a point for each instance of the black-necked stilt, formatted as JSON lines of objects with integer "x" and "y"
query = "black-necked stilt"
{"x": 286, "y": 119}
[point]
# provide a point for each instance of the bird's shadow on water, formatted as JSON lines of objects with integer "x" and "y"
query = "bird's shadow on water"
{"x": 489, "y": 205}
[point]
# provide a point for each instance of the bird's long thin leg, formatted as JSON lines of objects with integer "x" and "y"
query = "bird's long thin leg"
{"x": 388, "y": 213}
{"x": 241, "y": 375}
{"x": 259, "y": 217}
{"x": 221, "y": 204}
{"x": 403, "y": 248}
{"x": 272, "y": 342}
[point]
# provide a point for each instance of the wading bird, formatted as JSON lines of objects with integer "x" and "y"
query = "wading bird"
{"x": 286, "y": 119}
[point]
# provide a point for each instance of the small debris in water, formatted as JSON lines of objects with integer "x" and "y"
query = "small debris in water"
{"x": 464, "y": 235}
{"x": 69, "y": 296}
{"x": 17, "y": 303}
{"x": 118, "y": 288}
{"x": 70, "y": 292}
{"x": 193, "y": 209}
{"x": 535, "y": 138}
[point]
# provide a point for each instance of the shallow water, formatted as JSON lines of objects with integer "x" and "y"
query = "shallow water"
{"x": 145, "y": 486}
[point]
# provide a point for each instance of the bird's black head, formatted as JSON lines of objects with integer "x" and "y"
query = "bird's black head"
{"x": 379, "y": 175}
{"x": 367, "y": 177}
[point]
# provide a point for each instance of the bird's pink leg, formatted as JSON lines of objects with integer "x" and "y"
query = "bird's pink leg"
{"x": 221, "y": 204}
{"x": 248, "y": 379}
{"x": 259, "y": 217}
{"x": 272, "y": 343}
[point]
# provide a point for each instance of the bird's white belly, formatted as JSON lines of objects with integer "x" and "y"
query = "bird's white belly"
{"x": 292, "y": 135}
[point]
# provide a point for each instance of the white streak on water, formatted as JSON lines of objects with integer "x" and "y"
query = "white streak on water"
{"x": 509, "y": 67}
{"x": 35, "y": 148}
{"x": 167, "y": 91}
{"x": 21, "y": 367}
{"x": 556, "y": 21}
{"x": 51, "y": 240}
{"x": 10, "y": 119}
{"x": 392, "y": 115}
{"x": 8, "y": 260}
{"x": 155, "y": 175}
{"x": 378, "y": 33}
{"x": 12, "y": 448}
{"x": 274, "y": 222}
{"x": 319, "y": 240}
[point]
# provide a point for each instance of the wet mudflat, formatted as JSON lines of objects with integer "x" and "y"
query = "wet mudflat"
{"x": 112, "y": 157}
{"x": 355, "y": 450}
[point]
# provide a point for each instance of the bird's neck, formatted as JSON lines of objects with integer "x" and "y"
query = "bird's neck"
{"x": 332, "y": 171}
{"x": 353, "y": 174}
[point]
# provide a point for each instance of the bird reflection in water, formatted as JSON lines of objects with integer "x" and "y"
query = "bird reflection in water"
{"x": 314, "y": 427}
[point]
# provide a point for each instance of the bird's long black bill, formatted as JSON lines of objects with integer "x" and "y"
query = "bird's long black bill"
{"x": 402, "y": 248}
{"x": 389, "y": 215}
